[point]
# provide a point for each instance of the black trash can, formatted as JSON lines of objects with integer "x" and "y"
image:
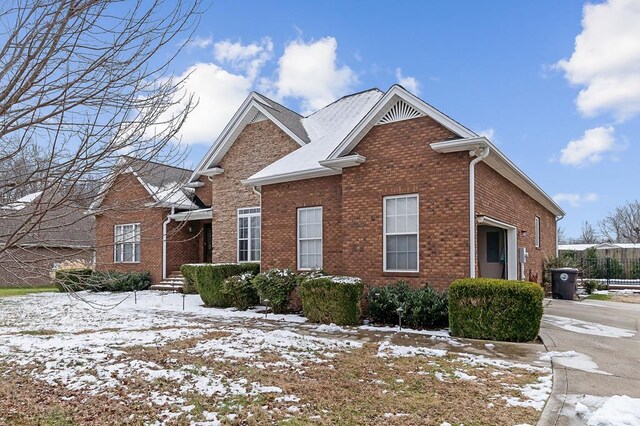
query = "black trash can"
{"x": 563, "y": 283}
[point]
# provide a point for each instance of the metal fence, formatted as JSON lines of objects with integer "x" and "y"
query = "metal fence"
{"x": 611, "y": 271}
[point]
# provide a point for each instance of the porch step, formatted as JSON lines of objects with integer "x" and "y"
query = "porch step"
{"x": 173, "y": 282}
{"x": 162, "y": 286}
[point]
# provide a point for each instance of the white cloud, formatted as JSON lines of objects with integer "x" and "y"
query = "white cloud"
{"x": 488, "y": 133}
{"x": 409, "y": 83}
{"x": 606, "y": 59}
{"x": 590, "y": 148}
{"x": 575, "y": 200}
{"x": 309, "y": 72}
{"x": 199, "y": 42}
{"x": 218, "y": 92}
{"x": 249, "y": 58}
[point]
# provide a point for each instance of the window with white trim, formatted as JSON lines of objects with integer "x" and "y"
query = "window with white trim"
{"x": 249, "y": 234}
{"x": 310, "y": 238}
{"x": 537, "y": 231}
{"x": 126, "y": 243}
{"x": 401, "y": 233}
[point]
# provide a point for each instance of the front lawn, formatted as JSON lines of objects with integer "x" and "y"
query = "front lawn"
{"x": 123, "y": 361}
{"x": 19, "y": 291}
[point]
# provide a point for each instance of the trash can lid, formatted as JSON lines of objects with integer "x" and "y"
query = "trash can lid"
{"x": 565, "y": 269}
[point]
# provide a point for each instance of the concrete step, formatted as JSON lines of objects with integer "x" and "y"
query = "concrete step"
{"x": 167, "y": 286}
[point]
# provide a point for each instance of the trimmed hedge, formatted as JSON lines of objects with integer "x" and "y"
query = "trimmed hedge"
{"x": 332, "y": 299}
{"x": 276, "y": 285}
{"x": 188, "y": 273}
{"x": 240, "y": 292}
{"x": 73, "y": 279}
{"x": 209, "y": 278}
{"x": 423, "y": 307}
{"x": 492, "y": 309}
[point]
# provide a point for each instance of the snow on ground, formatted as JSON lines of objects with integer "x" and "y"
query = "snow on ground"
{"x": 573, "y": 359}
{"x": 586, "y": 327}
{"x": 618, "y": 410}
{"x": 87, "y": 343}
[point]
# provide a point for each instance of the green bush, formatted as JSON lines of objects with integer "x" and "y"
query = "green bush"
{"x": 484, "y": 308}
{"x": 240, "y": 292}
{"x": 426, "y": 308}
{"x": 276, "y": 285}
{"x": 73, "y": 279}
{"x": 332, "y": 299}
{"x": 384, "y": 301}
{"x": 423, "y": 307}
{"x": 188, "y": 273}
{"x": 119, "y": 281}
{"x": 209, "y": 278}
{"x": 590, "y": 286}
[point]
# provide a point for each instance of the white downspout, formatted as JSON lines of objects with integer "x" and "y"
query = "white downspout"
{"x": 558, "y": 219}
{"x": 484, "y": 152}
{"x": 164, "y": 243}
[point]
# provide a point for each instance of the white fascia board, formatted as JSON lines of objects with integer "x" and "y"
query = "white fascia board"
{"x": 394, "y": 94}
{"x": 500, "y": 163}
{"x": 342, "y": 162}
{"x": 288, "y": 177}
{"x": 164, "y": 204}
{"x": 240, "y": 119}
{"x": 487, "y": 220}
{"x": 200, "y": 214}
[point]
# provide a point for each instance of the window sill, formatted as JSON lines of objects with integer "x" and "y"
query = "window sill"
{"x": 414, "y": 274}
{"x": 127, "y": 263}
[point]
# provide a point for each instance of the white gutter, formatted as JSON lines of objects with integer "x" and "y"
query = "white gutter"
{"x": 481, "y": 155}
{"x": 164, "y": 243}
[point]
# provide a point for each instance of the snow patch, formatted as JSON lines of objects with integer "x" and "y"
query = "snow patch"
{"x": 585, "y": 327}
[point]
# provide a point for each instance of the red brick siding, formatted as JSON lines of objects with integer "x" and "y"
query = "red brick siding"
{"x": 183, "y": 245}
{"x": 280, "y": 204}
{"x": 258, "y": 145}
{"x": 125, "y": 203}
{"x": 502, "y": 200}
{"x": 400, "y": 161}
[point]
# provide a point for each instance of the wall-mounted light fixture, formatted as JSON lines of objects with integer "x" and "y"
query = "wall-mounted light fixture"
{"x": 523, "y": 233}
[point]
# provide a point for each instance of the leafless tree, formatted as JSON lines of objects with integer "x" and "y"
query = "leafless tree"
{"x": 588, "y": 234}
{"x": 622, "y": 225}
{"x": 81, "y": 83}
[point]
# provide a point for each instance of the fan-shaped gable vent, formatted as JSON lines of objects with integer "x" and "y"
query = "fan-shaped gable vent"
{"x": 258, "y": 117}
{"x": 400, "y": 111}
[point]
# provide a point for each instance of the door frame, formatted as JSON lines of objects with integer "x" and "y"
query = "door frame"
{"x": 512, "y": 244}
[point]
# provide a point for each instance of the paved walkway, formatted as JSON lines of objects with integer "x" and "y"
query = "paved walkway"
{"x": 604, "y": 366}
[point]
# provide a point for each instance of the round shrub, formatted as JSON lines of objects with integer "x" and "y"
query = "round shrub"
{"x": 332, "y": 299}
{"x": 492, "y": 309}
{"x": 425, "y": 307}
{"x": 384, "y": 301}
{"x": 276, "y": 285}
{"x": 209, "y": 278}
{"x": 240, "y": 292}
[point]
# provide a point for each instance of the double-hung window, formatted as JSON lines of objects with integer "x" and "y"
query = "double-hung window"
{"x": 400, "y": 233}
{"x": 126, "y": 247}
{"x": 249, "y": 234}
{"x": 310, "y": 238}
{"x": 537, "y": 231}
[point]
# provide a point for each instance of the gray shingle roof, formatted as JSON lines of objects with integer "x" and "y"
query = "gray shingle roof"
{"x": 290, "y": 119}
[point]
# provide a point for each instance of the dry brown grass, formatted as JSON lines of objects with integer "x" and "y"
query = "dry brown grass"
{"x": 352, "y": 388}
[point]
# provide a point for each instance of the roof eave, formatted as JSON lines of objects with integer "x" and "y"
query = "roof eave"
{"x": 288, "y": 177}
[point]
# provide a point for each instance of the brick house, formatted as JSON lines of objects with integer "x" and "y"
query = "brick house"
{"x": 42, "y": 231}
{"x": 390, "y": 188}
{"x": 379, "y": 185}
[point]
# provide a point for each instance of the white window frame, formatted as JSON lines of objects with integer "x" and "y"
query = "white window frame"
{"x": 536, "y": 231}
{"x": 136, "y": 241}
{"x": 385, "y": 234}
{"x": 248, "y": 212}
{"x": 299, "y": 239}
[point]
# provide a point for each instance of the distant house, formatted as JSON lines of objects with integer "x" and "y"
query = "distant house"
{"x": 379, "y": 185}
{"x": 619, "y": 251}
{"x": 41, "y": 233}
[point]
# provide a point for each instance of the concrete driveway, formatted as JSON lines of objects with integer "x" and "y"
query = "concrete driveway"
{"x": 595, "y": 351}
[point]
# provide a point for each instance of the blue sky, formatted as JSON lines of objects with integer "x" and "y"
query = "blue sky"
{"x": 495, "y": 66}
